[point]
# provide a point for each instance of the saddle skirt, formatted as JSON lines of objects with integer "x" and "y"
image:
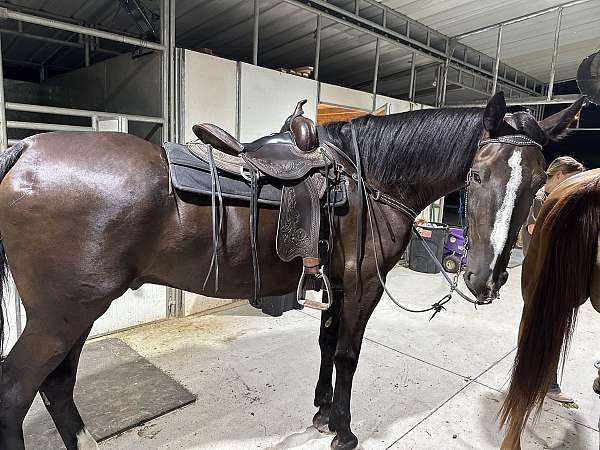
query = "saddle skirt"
{"x": 299, "y": 201}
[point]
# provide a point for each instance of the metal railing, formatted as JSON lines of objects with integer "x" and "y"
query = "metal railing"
{"x": 166, "y": 47}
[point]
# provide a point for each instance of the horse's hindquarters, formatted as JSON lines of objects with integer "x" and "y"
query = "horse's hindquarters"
{"x": 78, "y": 215}
{"x": 84, "y": 216}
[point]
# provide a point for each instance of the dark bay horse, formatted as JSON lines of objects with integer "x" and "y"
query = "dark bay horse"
{"x": 85, "y": 216}
{"x": 560, "y": 273}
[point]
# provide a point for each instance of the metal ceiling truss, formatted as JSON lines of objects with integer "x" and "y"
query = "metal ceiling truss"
{"x": 423, "y": 40}
{"x": 166, "y": 47}
{"x": 143, "y": 17}
{"x": 549, "y": 88}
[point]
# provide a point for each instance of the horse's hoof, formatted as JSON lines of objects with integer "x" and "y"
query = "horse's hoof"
{"x": 351, "y": 444}
{"x": 321, "y": 423}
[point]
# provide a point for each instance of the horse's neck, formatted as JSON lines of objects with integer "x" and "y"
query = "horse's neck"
{"x": 427, "y": 193}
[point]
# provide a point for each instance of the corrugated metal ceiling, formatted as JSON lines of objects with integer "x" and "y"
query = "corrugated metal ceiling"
{"x": 527, "y": 45}
{"x": 104, "y": 14}
{"x": 287, "y": 36}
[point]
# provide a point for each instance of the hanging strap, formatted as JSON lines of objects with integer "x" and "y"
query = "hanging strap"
{"x": 253, "y": 230}
{"x": 359, "y": 209}
{"x": 215, "y": 193}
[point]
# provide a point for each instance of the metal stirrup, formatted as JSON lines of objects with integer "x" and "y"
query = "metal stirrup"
{"x": 311, "y": 303}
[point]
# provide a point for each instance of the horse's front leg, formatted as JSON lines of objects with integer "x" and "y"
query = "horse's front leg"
{"x": 327, "y": 342}
{"x": 356, "y": 311}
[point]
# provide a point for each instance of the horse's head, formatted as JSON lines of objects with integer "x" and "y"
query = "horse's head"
{"x": 507, "y": 171}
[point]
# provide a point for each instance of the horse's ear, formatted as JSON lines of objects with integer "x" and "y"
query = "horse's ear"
{"x": 493, "y": 117}
{"x": 556, "y": 126}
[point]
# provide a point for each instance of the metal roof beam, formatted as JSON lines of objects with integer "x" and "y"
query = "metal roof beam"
{"x": 557, "y": 99}
{"x": 52, "y": 40}
{"x": 52, "y": 23}
{"x": 357, "y": 22}
{"x": 46, "y": 14}
{"x": 520, "y": 18}
{"x": 36, "y": 65}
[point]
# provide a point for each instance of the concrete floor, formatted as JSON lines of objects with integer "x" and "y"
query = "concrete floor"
{"x": 419, "y": 384}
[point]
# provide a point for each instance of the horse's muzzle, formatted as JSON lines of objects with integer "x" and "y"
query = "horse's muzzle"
{"x": 484, "y": 289}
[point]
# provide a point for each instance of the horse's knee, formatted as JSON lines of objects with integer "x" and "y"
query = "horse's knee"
{"x": 327, "y": 340}
{"x": 11, "y": 418}
{"x": 346, "y": 360}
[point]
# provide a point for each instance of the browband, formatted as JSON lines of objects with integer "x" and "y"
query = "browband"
{"x": 520, "y": 140}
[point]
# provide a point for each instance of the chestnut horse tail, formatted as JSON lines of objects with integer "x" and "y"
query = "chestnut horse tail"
{"x": 556, "y": 279}
{"x": 8, "y": 158}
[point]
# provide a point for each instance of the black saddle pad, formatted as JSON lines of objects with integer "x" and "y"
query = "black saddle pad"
{"x": 191, "y": 174}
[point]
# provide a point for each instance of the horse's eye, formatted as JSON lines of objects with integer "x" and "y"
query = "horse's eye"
{"x": 477, "y": 178}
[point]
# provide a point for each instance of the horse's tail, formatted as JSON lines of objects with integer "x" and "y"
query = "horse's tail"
{"x": 556, "y": 281}
{"x": 8, "y": 158}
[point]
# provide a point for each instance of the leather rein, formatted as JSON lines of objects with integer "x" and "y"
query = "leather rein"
{"x": 374, "y": 195}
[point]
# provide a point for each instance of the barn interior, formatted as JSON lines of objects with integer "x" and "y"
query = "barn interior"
{"x": 153, "y": 68}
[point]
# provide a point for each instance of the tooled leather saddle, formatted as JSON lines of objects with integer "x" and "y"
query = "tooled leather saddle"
{"x": 293, "y": 158}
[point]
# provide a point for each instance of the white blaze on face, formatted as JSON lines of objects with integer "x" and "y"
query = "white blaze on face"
{"x": 85, "y": 441}
{"x": 504, "y": 214}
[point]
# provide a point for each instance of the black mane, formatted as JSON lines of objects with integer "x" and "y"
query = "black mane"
{"x": 414, "y": 147}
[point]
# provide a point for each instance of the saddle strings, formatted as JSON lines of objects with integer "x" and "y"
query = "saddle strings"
{"x": 253, "y": 230}
{"x": 215, "y": 191}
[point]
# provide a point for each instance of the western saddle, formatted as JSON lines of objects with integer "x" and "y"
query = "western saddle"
{"x": 294, "y": 158}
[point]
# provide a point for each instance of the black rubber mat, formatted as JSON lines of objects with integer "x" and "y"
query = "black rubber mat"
{"x": 116, "y": 389}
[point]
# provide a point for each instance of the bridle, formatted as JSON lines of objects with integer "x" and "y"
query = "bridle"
{"x": 518, "y": 140}
{"x": 371, "y": 195}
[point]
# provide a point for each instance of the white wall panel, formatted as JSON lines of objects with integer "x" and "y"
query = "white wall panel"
{"x": 268, "y": 97}
{"x": 341, "y": 96}
{"x": 196, "y": 303}
{"x": 210, "y": 92}
{"x": 146, "y": 304}
{"x": 395, "y": 105}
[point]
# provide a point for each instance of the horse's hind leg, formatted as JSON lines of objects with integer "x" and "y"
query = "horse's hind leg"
{"x": 57, "y": 393}
{"x": 44, "y": 344}
{"x": 327, "y": 343}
